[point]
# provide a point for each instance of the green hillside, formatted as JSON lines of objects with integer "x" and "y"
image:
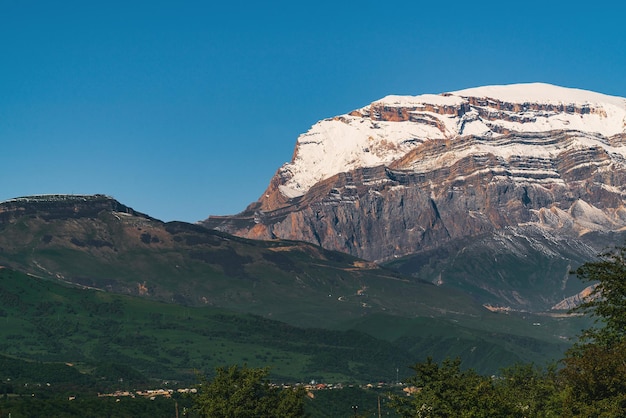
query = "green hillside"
{"x": 120, "y": 295}
{"x": 46, "y": 322}
{"x": 186, "y": 264}
{"x": 111, "y": 336}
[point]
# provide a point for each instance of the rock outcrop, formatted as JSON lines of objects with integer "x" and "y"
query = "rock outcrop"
{"x": 54, "y": 206}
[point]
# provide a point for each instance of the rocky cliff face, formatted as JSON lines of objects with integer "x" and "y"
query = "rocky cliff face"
{"x": 62, "y": 207}
{"x": 407, "y": 174}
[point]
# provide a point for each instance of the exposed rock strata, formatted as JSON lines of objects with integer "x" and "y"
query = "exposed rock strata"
{"x": 409, "y": 174}
{"x": 383, "y": 212}
{"x": 62, "y": 206}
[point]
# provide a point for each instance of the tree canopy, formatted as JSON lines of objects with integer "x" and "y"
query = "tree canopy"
{"x": 607, "y": 300}
{"x": 446, "y": 391}
{"x": 243, "y": 392}
{"x": 595, "y": 367}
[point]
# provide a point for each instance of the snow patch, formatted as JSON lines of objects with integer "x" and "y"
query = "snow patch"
{"x": 348, "y": 142}
{"x": 541, "y": 93}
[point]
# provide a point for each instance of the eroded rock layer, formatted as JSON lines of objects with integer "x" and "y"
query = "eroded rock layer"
{"x": 407, "y": 174}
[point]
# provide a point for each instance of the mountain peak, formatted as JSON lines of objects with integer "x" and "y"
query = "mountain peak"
{"x": 541, "y": 93}
{"x": 406, "y": 173}
{"x": 512, "y": 93}
{"x": 391, "y": 127}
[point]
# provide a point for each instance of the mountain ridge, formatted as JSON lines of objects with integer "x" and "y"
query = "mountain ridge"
{"x": 96, "y": 242}
{"x": 561, "y": 175}
{"x": 89, "y": 272}
{"x": 491, "y": 110}
{"x": 410, "y": 174}
{"x": 63, "y": 205}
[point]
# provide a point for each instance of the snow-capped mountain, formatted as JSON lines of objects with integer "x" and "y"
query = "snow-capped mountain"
{"x": 387, "y": 129}
{"x": 498, "y": 190}
{"x": 408, "y": 173}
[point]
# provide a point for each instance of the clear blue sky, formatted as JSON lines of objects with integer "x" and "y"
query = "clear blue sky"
{"x": 185, "y": 109}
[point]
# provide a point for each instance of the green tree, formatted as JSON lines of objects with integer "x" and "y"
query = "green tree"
{"x": 526, "y": 391}
{"x": 595, "y": 375}
{"x": 441, "y": 391}
{"x": 446, "y": 391}
{"x": 242, "y": 392}
{"x": 595, "y": 367}
{"x": 607, "y": 301}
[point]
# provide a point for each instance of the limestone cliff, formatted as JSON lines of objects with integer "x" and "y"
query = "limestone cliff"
{"x": 407, "y": 174}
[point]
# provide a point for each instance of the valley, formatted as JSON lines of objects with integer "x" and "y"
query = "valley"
{"x": 190, "y": 298}
{"x": 435, "y": 226}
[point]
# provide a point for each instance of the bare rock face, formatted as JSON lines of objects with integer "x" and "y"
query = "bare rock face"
{"x": 407, "y": 174}
{"x": 575, "y": 300}
{"x": 62, "y": 206}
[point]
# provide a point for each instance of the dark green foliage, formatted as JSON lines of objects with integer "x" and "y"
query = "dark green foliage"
{"x": 595, "y": 367}
{"x": 282, "y": 260}
{"x": 92, "y": 407}
{"x": 596, "y": 379}
{"x": 230, "y": 261}
{"x": 115, "y": 372}
{"x": 16, "y": 370}
{"x": 245, "y": 392}
{"x": 482, "y": 345}
{"x": 446, "y": 391}
{"x": 529, "y": 391}
{"x": 607, "y": 301}
{"x": 48, "y": 322}
{"x": 114, "y": 337}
